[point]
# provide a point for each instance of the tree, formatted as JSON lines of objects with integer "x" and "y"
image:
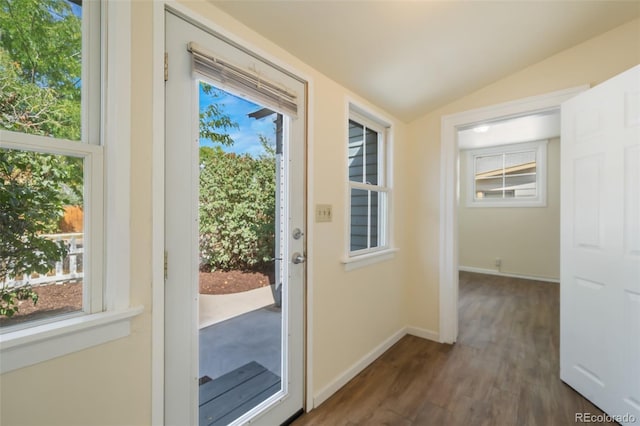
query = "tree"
{"x": 237, "y": 196}
{"x": 214, "y": 122}
{"x": 40, "y": 60}
{"x": 40, "y": 77}
{"x": 237, "y": 209}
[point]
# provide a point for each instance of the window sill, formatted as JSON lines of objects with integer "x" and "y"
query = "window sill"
{"x": 363, "y": 260}
{"x": 32, "y": 345}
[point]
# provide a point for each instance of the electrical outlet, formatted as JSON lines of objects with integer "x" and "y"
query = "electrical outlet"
{"x": 498, "y": 262}
{"x": 324, "y": 213}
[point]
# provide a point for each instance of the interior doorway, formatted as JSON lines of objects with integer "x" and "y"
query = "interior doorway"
{"x": 509, "y": 205}
{"x": 449, "y": 196}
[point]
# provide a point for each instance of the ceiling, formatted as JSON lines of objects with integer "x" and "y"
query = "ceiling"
{"x": 410, "y": 57}
{"x": 535, "y": 127}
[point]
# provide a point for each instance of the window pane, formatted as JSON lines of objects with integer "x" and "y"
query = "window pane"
{"x": 520, "y": 174}
{"x": 374, "y": 219}
{"x": 521, "y": 186}
{"x": 41, "y": 67}
{"x": 520, "y": 162}
{"x": 489, "y": 165}
{"x": 41, "y": 235}
{"x": 356, "y": 151}
{"x": 359, "y": 219}
{"x": 366, "y": 220}
{"x": 372, "y": 157}
{"x": 508, "y": 175}
{"x": 489, "y": 188}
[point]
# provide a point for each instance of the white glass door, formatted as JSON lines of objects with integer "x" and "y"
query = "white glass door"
{"x": 234, "y": 241}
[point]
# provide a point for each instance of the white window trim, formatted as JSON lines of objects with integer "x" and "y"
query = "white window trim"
{"x": 540, "y": 200}
{"x": 40, "y": 343}
{"x": 361, "y": 258}
{"x": 370, "y": 258}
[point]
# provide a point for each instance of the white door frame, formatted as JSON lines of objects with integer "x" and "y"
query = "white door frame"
{"x": 158, "y": 202}
{"x": 158, "y": 235}
{"x": 449, "y": 190}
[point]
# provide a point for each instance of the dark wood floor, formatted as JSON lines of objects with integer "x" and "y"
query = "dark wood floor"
{"x": 502, "y": 371}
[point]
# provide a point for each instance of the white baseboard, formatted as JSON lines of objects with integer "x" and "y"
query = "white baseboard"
{"x": 424, "y": 333}
{"x": 505, "y": 274}
{"x": 356, "y": 368}
{"x": 364, "y": 362}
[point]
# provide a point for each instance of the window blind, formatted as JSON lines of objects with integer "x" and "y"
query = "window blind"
{"x": 264, "y": 92}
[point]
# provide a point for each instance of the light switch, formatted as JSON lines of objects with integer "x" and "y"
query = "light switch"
{"x": 323, "y": 213}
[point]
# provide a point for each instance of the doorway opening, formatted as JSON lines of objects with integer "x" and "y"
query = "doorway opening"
{"x": 509, "y": 207}
{"x": 449, "y": 196}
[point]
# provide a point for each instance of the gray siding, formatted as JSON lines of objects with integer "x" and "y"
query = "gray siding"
{"x": 363, "y": 168}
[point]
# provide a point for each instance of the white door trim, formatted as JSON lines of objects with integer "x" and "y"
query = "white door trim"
{"x": 158, "y": 201}
{"x": 157, "y": 194}
{"x": 449, "y": 193}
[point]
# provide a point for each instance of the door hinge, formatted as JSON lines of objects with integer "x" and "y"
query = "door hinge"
{"x": 166, "y": 66}
{"x": 166, "y": 265}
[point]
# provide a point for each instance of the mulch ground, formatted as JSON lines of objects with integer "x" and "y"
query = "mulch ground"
{"x": 53, "y": 299}
{"x": 56, "y": 299}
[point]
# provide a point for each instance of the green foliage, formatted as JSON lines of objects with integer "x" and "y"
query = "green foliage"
{"x": 40, "y": 68}
{"x": 45, "y": 38}
{"x": 237, "y": 210}
{"x": 214, "y": 122}
{"x": 40, "y": 77}
{"x": 9, "y": 299}
{"x": 29, "y": 108}
{"x": 32, "y": 196}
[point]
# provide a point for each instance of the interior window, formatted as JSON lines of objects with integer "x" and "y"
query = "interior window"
{"x": 508, "y": 175}
{"x": 368, "y": 192}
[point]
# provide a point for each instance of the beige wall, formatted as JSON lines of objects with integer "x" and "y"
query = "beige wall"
{"x": 591, "y": 62}
{"x": 526, "y": 239}
{"x": 353, "y": 312}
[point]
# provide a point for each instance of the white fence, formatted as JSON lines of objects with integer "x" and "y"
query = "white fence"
{"x": 68, "y": 269}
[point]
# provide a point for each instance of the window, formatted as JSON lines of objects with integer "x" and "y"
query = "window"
{"x": 52, "y": 173}
{"x": 368, "y": 190}
{"x": 47, "y": 161}
{"x": 507, "y": 176}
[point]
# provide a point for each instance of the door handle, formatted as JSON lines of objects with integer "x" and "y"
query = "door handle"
{"x": 297, "y": 258}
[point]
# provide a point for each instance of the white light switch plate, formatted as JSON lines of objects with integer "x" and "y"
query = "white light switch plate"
{"x": 323, "y": 213}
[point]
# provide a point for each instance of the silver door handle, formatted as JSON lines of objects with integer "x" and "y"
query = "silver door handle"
{"x": 297, "y": 258}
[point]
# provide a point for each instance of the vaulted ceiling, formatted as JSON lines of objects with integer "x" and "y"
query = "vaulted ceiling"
{"x": 410, "y": 57}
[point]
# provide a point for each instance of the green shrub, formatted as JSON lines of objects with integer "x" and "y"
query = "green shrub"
{"x": 237, "y": 210}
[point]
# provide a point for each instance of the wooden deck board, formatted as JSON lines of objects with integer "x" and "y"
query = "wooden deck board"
{"x": 248, "y": 405}
{"x": 214, "y": 388}
{"x": 228, "y": 397}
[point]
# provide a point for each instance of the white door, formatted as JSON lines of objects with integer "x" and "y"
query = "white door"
{"x": 600, "y": 246}
{"x": 182, "y": 234}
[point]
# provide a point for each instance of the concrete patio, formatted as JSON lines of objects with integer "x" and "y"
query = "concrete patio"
{"x": 236, "y": 329}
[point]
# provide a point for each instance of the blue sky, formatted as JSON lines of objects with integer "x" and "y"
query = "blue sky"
{"x": 246, "y": 136}
{"x": 77, "y": 10}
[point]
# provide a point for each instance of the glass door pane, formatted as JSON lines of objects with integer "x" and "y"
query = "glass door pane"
{"x": 241, "y": 252}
